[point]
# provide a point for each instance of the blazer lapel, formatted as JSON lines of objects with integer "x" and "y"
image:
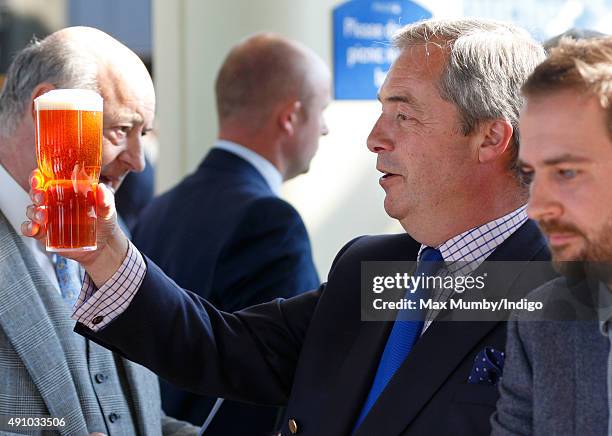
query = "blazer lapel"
{"x": 354, "y": 378}
{"x": 364, "y": 344}
{"x": 421, "y": 375}
{"x": 26, "y": 295}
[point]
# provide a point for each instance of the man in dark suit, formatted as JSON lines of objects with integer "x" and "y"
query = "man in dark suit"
{"x": 446, "y": 142}
{"x": 250, "y": 246}
{"x": 559, "y": 375}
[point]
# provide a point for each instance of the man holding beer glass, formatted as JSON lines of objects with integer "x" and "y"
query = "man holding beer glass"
{"x": 45, "y": 369}
{"x": 446, "y": 143}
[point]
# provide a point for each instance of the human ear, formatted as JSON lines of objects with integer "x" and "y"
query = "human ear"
{"x": 288, "y": 116}
{"x": 496, "y": 135}
{"x": 39, "y": 90}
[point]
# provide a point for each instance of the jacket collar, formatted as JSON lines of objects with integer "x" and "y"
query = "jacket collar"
{"x": 235, "y": 166}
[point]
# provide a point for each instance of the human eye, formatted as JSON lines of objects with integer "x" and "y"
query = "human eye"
{"x": 404, "y": 113}
{"x": 403, "y": 116}
{"x": 566, "y": 173}
{"x": 117, "y": 134}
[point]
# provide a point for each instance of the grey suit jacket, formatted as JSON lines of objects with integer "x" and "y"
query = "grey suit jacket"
{"x": 555, "y": 375}
{"x": 47, "y": 369}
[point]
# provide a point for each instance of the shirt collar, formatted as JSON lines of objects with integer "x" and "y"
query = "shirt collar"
{"x": 470, "y": 248}
{"x": 13, "y": 200}
{"x": 269, "y": 172}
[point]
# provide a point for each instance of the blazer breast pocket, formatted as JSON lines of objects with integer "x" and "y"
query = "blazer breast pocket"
{"x": 483, "y": 395}
{"x": 470, "y": 408}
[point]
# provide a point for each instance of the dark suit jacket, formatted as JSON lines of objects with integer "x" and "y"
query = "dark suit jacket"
{"x": 224, "y": 234}
{"x": 314, "y": 354}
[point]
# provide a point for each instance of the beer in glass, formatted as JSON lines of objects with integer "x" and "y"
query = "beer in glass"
{"x": 69, "y": 153}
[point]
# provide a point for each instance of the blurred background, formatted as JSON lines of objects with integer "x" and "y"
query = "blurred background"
{"x": 183, "y": 42}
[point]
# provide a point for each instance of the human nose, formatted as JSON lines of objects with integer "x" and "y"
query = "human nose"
{"x": 133, "y": 155}
{"x": 378, "y": 140}
{"x": 543, "y": 205}
{"x": 324, "y": 128}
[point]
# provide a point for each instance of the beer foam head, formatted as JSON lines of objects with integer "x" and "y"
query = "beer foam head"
{"x": 69, "y": 99}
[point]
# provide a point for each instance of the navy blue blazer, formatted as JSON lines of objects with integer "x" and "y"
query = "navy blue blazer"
{"x": 313, "y": 354}
{"x": 223, "y": 233}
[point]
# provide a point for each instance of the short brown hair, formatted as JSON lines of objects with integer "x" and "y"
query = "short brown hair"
{"x": 259, "y": 72}
{"x": 583, "y": 65}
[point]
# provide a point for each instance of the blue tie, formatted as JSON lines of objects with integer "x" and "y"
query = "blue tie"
{"x": 404, "y": 334}
{"x": 68, "y": 277}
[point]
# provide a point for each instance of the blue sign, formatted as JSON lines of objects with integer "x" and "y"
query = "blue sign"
{"x": 362, "y": 43}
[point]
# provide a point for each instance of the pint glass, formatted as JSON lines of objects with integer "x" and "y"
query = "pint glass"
{"x": 69, "y": 153}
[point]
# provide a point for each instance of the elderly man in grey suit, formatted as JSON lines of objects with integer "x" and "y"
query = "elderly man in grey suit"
{"x": 45, "y": 368}
{"x": 558, "y": 372}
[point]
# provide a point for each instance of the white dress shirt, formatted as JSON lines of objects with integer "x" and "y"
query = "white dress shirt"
{"x": 13, "y": 203}
{"x": 269, "y": 172}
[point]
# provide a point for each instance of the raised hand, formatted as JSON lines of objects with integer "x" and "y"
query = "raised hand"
{"x": 112, "y": 243}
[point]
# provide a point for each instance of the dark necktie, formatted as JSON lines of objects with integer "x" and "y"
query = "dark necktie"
{"x": 68, "y": 278}
{"x": 404, "y": 333}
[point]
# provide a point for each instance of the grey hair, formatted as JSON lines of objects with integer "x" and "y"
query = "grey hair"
{"x": 488, "y": 62}
{"x": 59, "y": 62}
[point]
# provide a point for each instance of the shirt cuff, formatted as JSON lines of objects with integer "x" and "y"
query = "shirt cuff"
{"x": 95, "y": 307}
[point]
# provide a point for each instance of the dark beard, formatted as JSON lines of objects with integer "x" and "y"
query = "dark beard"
{"x": 572, "y": 269}
{"x": 599, "y": 255}
{"x": 594, "y": 261}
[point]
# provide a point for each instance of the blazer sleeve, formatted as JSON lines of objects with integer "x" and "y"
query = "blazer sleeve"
{"x": 514, "y": 408}
{"x": 249, "y": 355}
{"x": 268, "y": 256}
